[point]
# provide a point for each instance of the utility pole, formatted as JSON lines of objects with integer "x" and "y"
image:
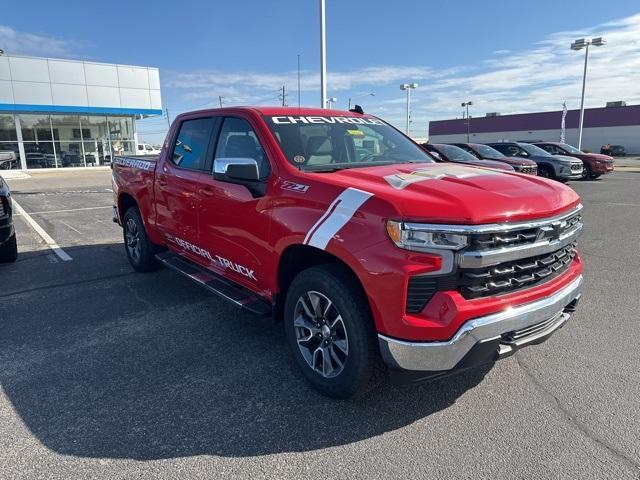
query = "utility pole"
{"x": 220, "y": 100}
{"x": 283, "y": 95}
{"x": 323, "y": 56}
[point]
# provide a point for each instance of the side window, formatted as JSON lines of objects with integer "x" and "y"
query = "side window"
{"x": 190, "y": 148}
{"x": 140, "y": 147}
{"x": 238, "y": 140}
{"x": 552, "y": 149}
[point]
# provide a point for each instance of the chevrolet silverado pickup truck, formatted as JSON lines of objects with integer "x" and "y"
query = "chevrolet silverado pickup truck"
{"x": 341, "y": 227}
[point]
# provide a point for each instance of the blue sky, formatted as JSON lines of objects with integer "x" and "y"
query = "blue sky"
{"x": 506, "y": 56}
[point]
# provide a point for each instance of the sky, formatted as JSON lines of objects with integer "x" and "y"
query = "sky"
{"x": 505, "y": 56}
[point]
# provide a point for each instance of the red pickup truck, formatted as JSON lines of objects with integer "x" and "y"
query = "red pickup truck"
{"x": 368, "y": 251}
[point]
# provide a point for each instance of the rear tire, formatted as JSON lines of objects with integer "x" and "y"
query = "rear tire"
{"x": 140, "y": 251}
{"x": 9, "y": 250}
{"x": 330, "y": 331}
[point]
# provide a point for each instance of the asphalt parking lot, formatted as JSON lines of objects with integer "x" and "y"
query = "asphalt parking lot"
{"x": 106, "y": 373}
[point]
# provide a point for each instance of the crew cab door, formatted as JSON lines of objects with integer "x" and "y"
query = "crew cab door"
{"x": 233, "y": 221}
{"x": 187, "y": 161}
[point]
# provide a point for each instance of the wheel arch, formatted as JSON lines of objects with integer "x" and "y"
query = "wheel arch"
{"x": 298, "y": 257}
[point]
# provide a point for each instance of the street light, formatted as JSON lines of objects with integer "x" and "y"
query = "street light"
{"x": 408, "y": 87}
{"x": 1, "y": 52}
{"x": 331, "y": 101}
{"x": 579, "y": 45}
{"x": 323, "y": 55}
{"x": 463, "y": 105}
{"x": 360, "y": 96}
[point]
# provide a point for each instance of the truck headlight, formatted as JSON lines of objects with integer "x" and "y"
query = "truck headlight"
{"x": 419, "y": 237}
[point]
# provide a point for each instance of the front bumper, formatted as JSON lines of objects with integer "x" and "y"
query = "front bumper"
{"x": 503, "y": 332}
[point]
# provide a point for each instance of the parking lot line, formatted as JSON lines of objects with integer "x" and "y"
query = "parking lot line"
{"x": 70, "y": 210}
{"x": 51, "y": 243}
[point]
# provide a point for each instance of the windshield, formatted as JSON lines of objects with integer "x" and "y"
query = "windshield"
{"x": 334, "y": 143}
{"x": 534, "y": 150}
{"x": 570, "y": 149}
{"x": 487, "y": 151}
{"x": 456, "y": 153}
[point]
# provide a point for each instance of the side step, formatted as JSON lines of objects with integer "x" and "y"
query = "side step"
{"x": 239, "y": 296}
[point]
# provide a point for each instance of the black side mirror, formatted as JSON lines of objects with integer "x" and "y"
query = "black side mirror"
{"x": 241, "y": 171}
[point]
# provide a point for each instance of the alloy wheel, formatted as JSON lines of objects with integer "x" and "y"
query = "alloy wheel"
{"x": 132, "y": 239}
{"x": 321, "y": 334}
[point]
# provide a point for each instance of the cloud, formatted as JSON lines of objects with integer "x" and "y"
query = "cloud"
{"x": 25, "y": 43}
{"x": 539, "y": 78}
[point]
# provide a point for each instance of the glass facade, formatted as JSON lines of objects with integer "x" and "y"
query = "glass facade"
{"x": 66, "y": 140}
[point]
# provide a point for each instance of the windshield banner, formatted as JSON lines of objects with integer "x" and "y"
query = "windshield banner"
{"x": 330, "y": 120}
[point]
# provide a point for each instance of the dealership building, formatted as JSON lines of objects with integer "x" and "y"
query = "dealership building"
{"x": 616, "y": 124}
{"x": 57, "y": 113}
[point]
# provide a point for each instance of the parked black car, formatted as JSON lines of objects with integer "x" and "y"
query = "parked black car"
{"x": 617, "y": 151}
{"x": 8, "y": 243}
{"x": 556, "y": 167}
{"x": 450, "y": 153}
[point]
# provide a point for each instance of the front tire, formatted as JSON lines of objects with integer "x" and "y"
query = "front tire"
{"x": 9, "y": 250}
{"x": 330, "y": 331}
{"x": 140, "y": 251}
{"x": 546, "y": 172}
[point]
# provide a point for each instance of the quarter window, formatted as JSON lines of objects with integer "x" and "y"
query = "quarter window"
{"x": 190, "y": 148}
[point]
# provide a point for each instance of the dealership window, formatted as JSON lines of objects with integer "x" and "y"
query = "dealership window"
{"x": 9, "y": 141}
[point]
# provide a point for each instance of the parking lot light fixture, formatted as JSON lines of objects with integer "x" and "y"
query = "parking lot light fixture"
{"x": 466, "y": 105}
{"x": 579, "y": 45}
{"x": 407, "y": 87}
{"x": 331, "y": 101}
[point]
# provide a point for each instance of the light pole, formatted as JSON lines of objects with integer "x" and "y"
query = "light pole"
{"x": 360, "y": 96}
{"x": 323, "y": 56}
{"x": 331, "y": 101}
{"x": 463, "y": 105}
{"x": 579, "y": 45}
{"x": 408, "y": 87}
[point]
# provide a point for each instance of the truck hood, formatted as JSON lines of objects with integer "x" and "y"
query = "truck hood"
{"x": 459, "y": 194}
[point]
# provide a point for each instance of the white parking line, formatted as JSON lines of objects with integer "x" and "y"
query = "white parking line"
{"x": 51, "y": 243}
{"x": 70, "y": 210}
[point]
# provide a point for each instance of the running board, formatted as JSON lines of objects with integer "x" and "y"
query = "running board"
{"x": 239, "y": 296}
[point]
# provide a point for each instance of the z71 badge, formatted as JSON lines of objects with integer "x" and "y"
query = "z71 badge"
{"x": 294, "y": 187}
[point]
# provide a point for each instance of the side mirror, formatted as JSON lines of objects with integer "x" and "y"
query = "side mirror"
{"x": 241, "y": 171}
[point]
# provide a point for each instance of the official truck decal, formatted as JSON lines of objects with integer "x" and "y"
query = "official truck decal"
{"x": 399, "y": 181}
{"x": 335, "y": 217}
{"x": 204, "y": 253}
{"x": 133, "y": 162}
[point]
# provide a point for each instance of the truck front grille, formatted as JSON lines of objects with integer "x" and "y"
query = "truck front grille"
{"x": 503, "y": 258}
{"x": 510, "y": 276}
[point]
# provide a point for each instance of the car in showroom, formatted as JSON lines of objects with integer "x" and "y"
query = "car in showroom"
{"x": 595, "y": 164}
{"x": 557, "y": 167}
{"x": 443, "y": 152}
{"x": 485, "y": 152}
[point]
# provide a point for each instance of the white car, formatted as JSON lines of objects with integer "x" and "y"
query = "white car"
{"x": 146, "y": 149}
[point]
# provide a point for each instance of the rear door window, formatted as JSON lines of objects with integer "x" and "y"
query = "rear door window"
{"x": 191, "y": 148}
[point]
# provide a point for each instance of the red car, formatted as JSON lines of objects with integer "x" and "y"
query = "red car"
{"x": 595, "y": 164}
{"x": 341, "y": 227}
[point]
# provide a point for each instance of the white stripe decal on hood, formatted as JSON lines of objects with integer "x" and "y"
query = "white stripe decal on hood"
{"x": 337, "y": 215}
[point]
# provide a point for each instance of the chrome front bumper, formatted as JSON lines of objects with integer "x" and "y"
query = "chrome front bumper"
{"x": 446, "y": 355}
